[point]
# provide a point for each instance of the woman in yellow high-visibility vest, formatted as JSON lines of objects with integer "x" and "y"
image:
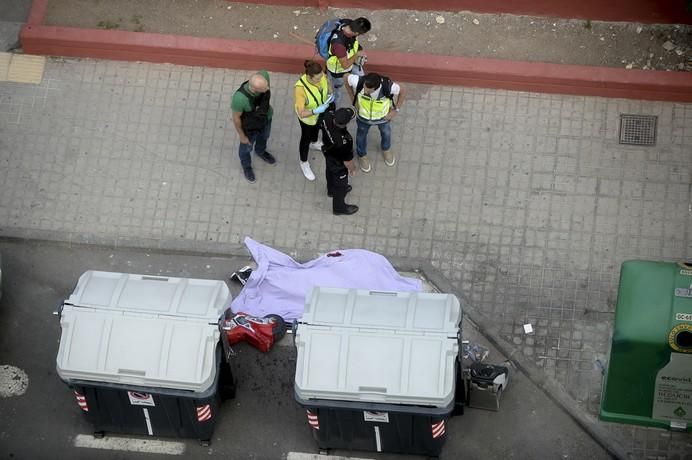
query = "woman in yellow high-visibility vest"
{"x": 311, "y": 99}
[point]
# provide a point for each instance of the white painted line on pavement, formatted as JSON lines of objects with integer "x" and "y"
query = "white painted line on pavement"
{"x": 303, "y": 456}
{"x": 151, "y": 446}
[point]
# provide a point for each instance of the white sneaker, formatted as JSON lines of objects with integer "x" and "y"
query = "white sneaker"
{"x": 317, "y": 145}
{"x": 364, "y": 164}
{"x": 307, "y": 172}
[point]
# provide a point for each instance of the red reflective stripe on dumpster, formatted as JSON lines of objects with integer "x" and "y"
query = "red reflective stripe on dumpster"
{"x": 204, "y": 413}
{"x": 313, "y": 421}
{"x": 438, "y": 429}
{"x": 81, "y": 401}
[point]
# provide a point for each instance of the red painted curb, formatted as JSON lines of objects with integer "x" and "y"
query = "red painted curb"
{"x": 175, "y": 49}
{"x": 645, "y": 11}
{"x": 408, "y": 67}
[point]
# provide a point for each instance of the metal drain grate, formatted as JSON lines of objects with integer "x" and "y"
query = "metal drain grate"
{"x": 638, "y": 129}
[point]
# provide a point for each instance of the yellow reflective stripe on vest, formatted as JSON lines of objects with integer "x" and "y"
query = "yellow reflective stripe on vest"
{"x": 333, "y": 64}
{"x": 373, "y": 109}
{"x": 310, "y": 102}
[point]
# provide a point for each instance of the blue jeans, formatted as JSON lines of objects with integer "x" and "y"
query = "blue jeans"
{"x": 259, "y": 139}
{"x": 362, "y": 136}
{"x": 337, "y": 83}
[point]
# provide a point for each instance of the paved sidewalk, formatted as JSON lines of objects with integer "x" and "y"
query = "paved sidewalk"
{"x": 527, "y": 203}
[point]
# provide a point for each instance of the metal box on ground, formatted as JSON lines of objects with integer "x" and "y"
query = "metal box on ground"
{"x": 379, "y": 371}
{"x": 142, "y": 353}
{"x": 486, "y": 383}
{"x": 649, "y": 376}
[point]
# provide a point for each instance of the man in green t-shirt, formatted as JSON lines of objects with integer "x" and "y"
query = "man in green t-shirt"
{"x": 252, "y": 118}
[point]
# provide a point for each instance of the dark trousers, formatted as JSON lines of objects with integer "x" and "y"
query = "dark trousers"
{"x": 308, "y": 134}
{"x": 337, "y": 181}
{"x": 259, "y": 140}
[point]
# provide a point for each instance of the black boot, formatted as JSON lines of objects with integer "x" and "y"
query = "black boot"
{"x": 347, "y": 211}
{"x": 249, "y": 174}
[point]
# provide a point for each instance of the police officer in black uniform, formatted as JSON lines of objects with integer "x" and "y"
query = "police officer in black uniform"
{"x": 338, "y": 153}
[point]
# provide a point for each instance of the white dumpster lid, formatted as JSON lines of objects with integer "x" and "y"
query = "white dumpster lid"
{"x": 140, "y": 330}
{"x": 159, "y": 295}
{"x": 398, "y": 348}
{"x": 415, "y": 312}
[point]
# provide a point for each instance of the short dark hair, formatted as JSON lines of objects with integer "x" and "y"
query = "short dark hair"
{"x": 372, "y": 80}
{"x": 360, "y": 26}
{"x": 312, "y": 68}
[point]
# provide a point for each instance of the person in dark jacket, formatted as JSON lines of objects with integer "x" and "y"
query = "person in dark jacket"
{"x": 338, "y": 154}
{"x": 252, "y": 118}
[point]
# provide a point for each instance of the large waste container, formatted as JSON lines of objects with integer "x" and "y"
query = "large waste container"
{"x": 379, "y": 371}
{"x": 649, "y": 376}
{"x": 142, "y": 353}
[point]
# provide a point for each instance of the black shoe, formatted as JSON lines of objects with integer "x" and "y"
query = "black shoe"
{"x": 249, "y": 174}
{"x": 348, "y": 189}
{"x": 350, "y": 209}
{"x": 268, "y": 157}
{"x": 242, "y": 275}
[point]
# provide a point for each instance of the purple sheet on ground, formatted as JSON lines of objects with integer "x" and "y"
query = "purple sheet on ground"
{"x": 279, "y": 284}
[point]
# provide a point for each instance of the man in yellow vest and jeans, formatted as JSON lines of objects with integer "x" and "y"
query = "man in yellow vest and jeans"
{"x": 377, "y": 100}
{"x": 344, "y": 50}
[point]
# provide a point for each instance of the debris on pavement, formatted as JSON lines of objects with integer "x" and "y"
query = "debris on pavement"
{"x": 503, "y": 36}
{"x": 474, "y": 351}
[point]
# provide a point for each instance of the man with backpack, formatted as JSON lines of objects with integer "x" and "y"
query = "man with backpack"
{"x": 337, "y": 42}
{"x": 377, "y": 100}
{"x": 252, "y": 118}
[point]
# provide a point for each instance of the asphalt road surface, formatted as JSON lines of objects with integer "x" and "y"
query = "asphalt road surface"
{"x": 40, "y": 419}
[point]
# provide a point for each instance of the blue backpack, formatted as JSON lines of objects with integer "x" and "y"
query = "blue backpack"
{"x": 324, "y": 34}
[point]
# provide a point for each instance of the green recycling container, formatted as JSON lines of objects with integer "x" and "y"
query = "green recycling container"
{"x": 649, "y": 376}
